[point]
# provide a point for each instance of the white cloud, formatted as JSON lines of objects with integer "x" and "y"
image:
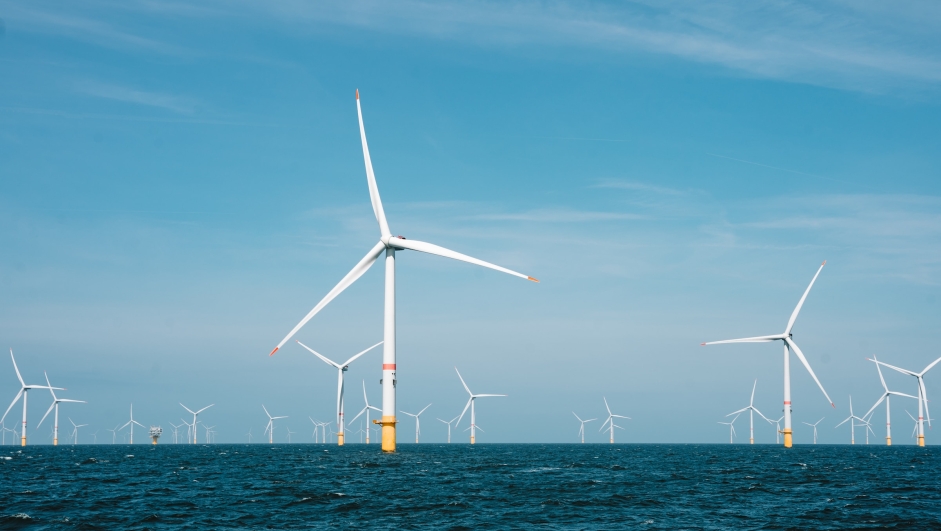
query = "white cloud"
{"x": 170, "y": 102}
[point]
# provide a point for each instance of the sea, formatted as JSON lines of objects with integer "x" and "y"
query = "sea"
{"x": 459, "y": 486}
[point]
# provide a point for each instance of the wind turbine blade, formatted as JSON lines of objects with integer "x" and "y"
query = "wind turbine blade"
{"x": 126, "y": 425}
{"x": 422, "y": 411}
{"x": 15, "y": 399}
{"x": 881, "y": 379}
{"x": 374, "y": 408}
{"x": 462, "y": 383}
{"x": 326, "y": 360}
{"x": 757, "y": 339}
{"x": 344, "y": 283}
{"x": 461, "y": 416}
{"x": 737, "y": 412}
{"x": 266, "y": 411}
{"x": 928, "y": 368}
{"x": 431, "y": 248}
{"x": 759, "y": 414}
{"x": 50, "y": 388}
{"x": 579, "y": 418}
{"x": 478, "y": 396}
{"x": 844, "y": 422}
{"x": 138, "y": 423}
{"x": 606, "y": 406}
{"x": 51, "y": 406}
{"x": 15, "y": 368}
{"x": 204, "y": 409}
{"x": 895, "y": 393}
{"x": 797, "y": 309}
{"x": 358, "y": 414}
{"x": 893, "y": 367}
{"x": 621, "y": 417}
{"x": 70, "y": 400}
{"x": 924, "y": 396}
{"x": 370, "y": 176}
{"x": 800, "y": 356}
{"x": 188, "y": 409}
{"x": 589, "y": 420}
{"x": 361, "y": 353}
{"x": 753, "y": 387}
{"x": 874, "y": 406}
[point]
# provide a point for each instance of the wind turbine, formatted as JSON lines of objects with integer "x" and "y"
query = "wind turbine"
{"x": 208, "y": 431}
{"x": 95, "y": 435}
{"x": 24, "y": 390}
{"x": 194, "y": 413}
{"x": 815, "y": 428}
{"x": 114, "y": 434}
{"x": 316, "y": 433}
{"x": 55, "y": 405}
{"x": 852, "y": 418}
{"x": 777, "y": 433}
{"x": 610, "y": 420}
{"x": 341, "y": 368}
{"x": 470, "y": 403}
{"x": 289, "y": 434}
{"x": 915, "y": 429}
{"x": 417, "y": 427}
{"x": 751, "y": 409}
{"x": 249, "y": 435}
{"x": 366, "y": 409}
{"x": 75, "y": 428}
{"x": 885, "y": 396}
{"x": 270, "y": 428}
{"x": 448, "y": 422}
{"x": 388, "y": 244}
{"x": 581, "y": 428}
{"x": 922, "y": 395}
{"x": 131, "y": 423}
{"x": 4, "y": 430}
{"x": 789, "y": 344}
{"x": 731, "y": 429}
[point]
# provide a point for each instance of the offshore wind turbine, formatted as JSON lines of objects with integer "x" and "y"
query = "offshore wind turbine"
{"x": 131, "y": 423}
{"x": 75, "y": 428}
{"x": 885, "y": 396}
{"x": 470, "y": 403}
{"x": 114, "y": 434}
{"x": 611, "y": 417}
{"x": 366, "y": 409}
{"x": 387, "y": 244}
{"x": 270, "y": 428}
{"x": 731, "y": 426}
{"x": 195, "y": 413}
{"x": 815, "y": 428}
{"x": 777, "y": 433}
{"x": 448, "y": 422}
{"x": 922, "y": 395}
{"x": 55, "y": 405}
{"x": 787, "y": 338}
{"x": 417, "y": 420}
{"x": 341, "y": 368}
{"x": 24, "y": 390}
{"x": 751, "y": 409}
{"x": 852, "y": 420}
{"x": 581, "y": 428}
{"x": 249, "y": 435}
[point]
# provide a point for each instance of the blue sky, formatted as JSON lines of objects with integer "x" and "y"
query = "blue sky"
{"x": 181, "y": 182}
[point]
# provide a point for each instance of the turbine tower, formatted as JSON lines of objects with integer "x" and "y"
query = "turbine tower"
{"x": 885, "y": 396}
{"x": 341, "y": 368}
{"x": 581, "y": 428}
{"x": 417, "y": 425}
{"x": 919, "y": 377}
{"x": 789, "y": 344}
{"x": 470, "y": 404}
{"x": 75, "y": 428}
{"x": 610, "y": 421}
{"x": 55, "y": 405}
{"x": 194, "y": 413}
{"x": 365, "y": 410}
{"x": 814, "y": 425}
{"x": 24, "y": 390}
{"x": 448, "y": 422}
{"x": 387, "y": 244}
{"x": 751, "y": 409}
{"x": 270, "y": 428}
{"x": 131, "y": 423}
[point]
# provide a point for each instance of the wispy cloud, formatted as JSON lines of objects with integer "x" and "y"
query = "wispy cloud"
{"x": 559, "y": 216}
{"x": 621, "y": 184}
{"x": 170, "y": 102}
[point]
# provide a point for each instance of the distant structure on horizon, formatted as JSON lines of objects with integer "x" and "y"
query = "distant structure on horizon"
{"x": 155, "y": 433}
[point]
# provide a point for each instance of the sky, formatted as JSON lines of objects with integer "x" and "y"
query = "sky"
{"x": 181, "y": 182}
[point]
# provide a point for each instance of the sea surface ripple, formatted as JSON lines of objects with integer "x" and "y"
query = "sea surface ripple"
{"x": 501, "y": 486}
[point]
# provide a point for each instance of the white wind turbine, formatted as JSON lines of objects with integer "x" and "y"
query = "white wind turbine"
{"x": 922, "y": 395}
{"x": 75, "y": 428}
{"x": 787, "y": 339}
{"x": 316, "y": 433}
{"x": 417, "y": 420}
{"x": 24, "y": 390}
{"x": 341, "y": 368}
{"x": 751, "y": 409}
{"x": 885, "y": 396}
{"x": 610, "y": 421}
{"x": 470, "y": 404}
{"x": 915, "y": 429}
{"x": 131, "y": 423}
{"x": 815, "y": 428}
{"x": 270, "y": 428}
{"x": 777, "y": 434}
{"x": 55, "y": 405}
{"x": 176, "y": 432}
{"x": 114, "y": 434}
{"x": 365, "y": 410}
{"x": 387, "y": 244}
{"x": 581, "y": 428}
{"x": 194, "y": 413}
{"x": 95, "y": 435}
{"x": 289, "y": 434}
{"x": 852, "y": 420}
{"x": 249, "y": 435}
{"x": 4, "y": 430}
{"x": 448, "y": 422}
{"x": 731, "y": 426}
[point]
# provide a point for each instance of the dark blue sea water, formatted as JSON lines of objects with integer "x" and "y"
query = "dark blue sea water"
{"x": 431, "y": 486}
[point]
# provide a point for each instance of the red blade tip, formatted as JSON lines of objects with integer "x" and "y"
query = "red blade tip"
{"x": 533, "y": 279}
{"x": 273, "y": 351}
{"x": 702, "y": 344}
{"x": 357, "y": 93}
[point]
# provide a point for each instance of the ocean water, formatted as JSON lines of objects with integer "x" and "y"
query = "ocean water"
{"x": 499, "y": 486}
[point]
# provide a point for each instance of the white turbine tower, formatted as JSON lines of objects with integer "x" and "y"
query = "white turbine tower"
{"x": 581, "y": 428}
{"x": 852, "y": 420}
{"x": 387, "y": 244}
{"x": 417, "y": 420}
{"x": 448, "y": 422}
{"x": 365, "y": 410}
{"x": 787, "y": 339}
{"x": 470, "y": 404}
{"x": 731, "y": 426}
{"x": 815, "y": 428}
{"x": 885, "y": 396}
{"x": 24, "y": 390}
{"x": 751, "y": 409}
{"x": 131, "y": 423}
{"x": 922, "y": 395}
{"x": 194, "y": 413}
{"x": 341, "y": 368}
{"x": 75, "y": 428}
{"x": 777, "y": 434}
{"x": 610, "y": 421}
{"x": 55, "y": 405}
{"x": 270, "y": 428}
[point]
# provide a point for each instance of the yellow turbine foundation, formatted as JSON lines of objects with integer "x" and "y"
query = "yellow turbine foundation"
{"x": 472, "y": 439}
{"x": 788, "y": 441}
{"x": 55, "y": 442}
{"x": 888, "y": 441}
{"x": 751, "y": 440}
{"x": 23, "y": 441}
{"x": 921, "y": 440}
{"x": 340, "y": 439}
{"x": 388, "y": 432}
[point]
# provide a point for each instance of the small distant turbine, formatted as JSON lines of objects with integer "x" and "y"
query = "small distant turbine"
{"x": 852, "y": 420}
{"x": 195, "y": 413}
{"x": 366, "y": 409}
{"x": 610, "y": 421}
{"x": 885, "y": 396}
{"x": 922, "y": 395}
{"x": 270, "y": 428}
{"x": 731, "y": 426}
{"x": 814, "y": 425}
{"x": 448, "y": 422}
{"x": 417, "y": 425}
{"x": 581, "y": 428}
{"x": 249, "y": 435}
{"x": 751, "y": 409}
{"x": 55, "y": 405}
{"x": 131, "y": 423}
{"x": 470, "y": 404}
{"x": 75, "y": 428}
{"x": 24, "y": 390}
